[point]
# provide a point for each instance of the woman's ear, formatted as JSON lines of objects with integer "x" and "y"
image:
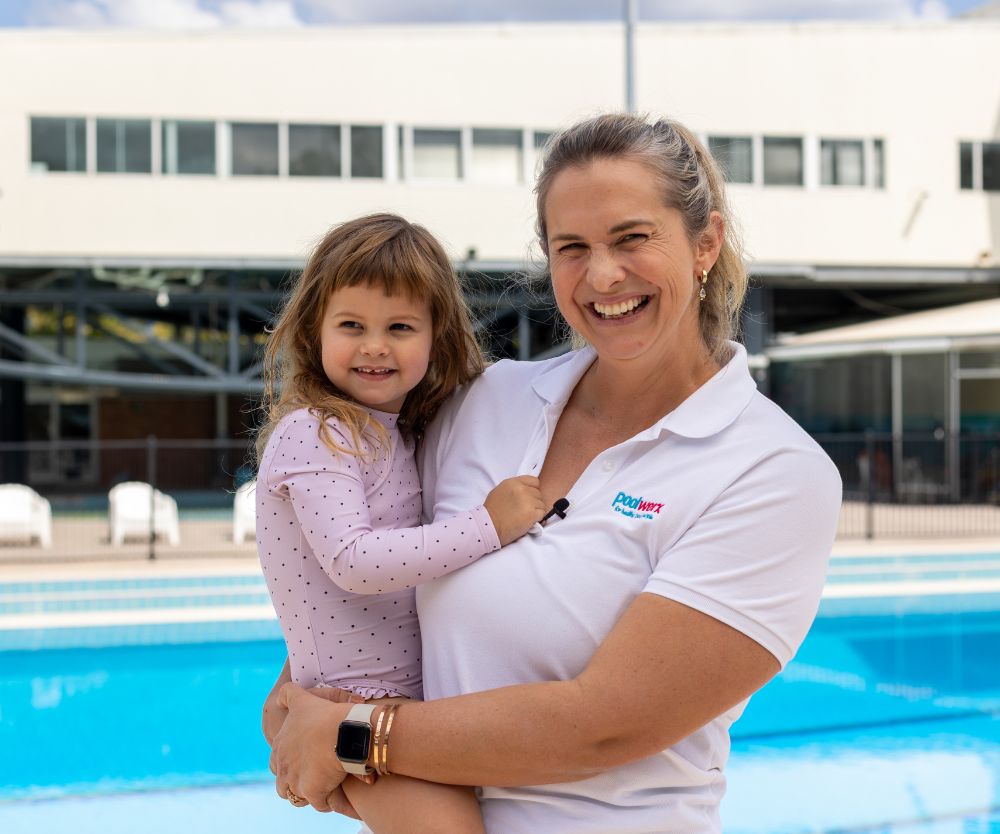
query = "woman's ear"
{"x": 710, "y": 242}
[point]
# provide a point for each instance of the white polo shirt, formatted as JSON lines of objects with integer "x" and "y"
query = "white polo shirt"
{"x": 724, "y": 505}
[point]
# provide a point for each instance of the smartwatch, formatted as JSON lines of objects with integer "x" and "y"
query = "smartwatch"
{"x": 354, "y": 739}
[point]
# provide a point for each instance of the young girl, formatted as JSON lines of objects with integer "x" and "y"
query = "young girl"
{"x": 372, "y": 339}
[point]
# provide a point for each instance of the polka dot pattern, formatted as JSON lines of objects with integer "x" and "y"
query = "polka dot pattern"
{"x": 341, "y": 554}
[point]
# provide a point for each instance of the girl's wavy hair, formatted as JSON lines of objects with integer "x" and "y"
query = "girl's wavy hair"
{"x": 690, "y": 181}
{"x": 400, "y": 258}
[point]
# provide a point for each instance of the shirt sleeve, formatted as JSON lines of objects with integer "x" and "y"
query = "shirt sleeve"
{"x": 327, "y": 493}
{"x": 756, "y": 559}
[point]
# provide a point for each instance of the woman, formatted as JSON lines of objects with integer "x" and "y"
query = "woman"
{"x": 589, "y": 673}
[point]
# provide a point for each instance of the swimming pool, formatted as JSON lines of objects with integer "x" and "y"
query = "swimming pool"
{"x": 888, "y": 720}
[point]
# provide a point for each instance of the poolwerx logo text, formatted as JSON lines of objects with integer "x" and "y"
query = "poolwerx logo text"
{"x": 635, "y": 507}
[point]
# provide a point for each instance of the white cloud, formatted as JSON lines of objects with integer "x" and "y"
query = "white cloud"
{"x": 200, "y": 14}
{"x": 165, "y": 14}
{"x": 353, "y": 11}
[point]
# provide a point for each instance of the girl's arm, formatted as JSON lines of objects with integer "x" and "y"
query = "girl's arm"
{"x": 664, "y": 671}
{"x": 327, "y": 492}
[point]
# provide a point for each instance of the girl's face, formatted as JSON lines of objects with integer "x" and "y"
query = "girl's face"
{"x": 376, "y": 347}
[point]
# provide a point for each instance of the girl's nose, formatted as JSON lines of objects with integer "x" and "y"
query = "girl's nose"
{"x": 373, "y": 346}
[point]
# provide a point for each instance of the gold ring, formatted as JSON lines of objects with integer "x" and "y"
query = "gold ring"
{"x": 295, "y": 799}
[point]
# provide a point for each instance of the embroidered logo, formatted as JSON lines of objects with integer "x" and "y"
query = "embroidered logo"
{"x": 635, "y": 507}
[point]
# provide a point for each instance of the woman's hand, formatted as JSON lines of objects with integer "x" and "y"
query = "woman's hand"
{"x": 273, "y": 716}
{"x": 302, "y": 751}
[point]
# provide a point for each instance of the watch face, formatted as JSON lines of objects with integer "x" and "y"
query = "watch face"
{"x": 353, "y": 741}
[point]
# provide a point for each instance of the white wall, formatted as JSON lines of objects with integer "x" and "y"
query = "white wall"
{"x": 922, "y": 88}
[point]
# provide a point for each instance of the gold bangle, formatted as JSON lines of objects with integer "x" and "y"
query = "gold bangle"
{"x": 378, "y": 736}
{"x": 384, "y": 767}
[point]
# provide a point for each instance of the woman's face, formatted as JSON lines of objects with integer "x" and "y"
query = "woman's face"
{"x": 623, "y": 269}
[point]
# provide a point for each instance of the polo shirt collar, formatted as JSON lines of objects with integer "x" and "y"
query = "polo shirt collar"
{"x": 707, "y": 411}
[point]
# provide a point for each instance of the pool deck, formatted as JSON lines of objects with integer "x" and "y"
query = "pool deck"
{"x": 909, "y": 572}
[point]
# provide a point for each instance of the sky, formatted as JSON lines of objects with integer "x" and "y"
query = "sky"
{"x": 210, "y": 14}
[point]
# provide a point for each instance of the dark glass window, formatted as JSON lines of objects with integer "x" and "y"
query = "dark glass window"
{"x": 314, "y": 150}
{"x": 255, "y": 149}
{"x": 735, "y": 155}
{"x": 124, "y": 146}
{"x": 782, "y": 161}
{"x": 366, "y": 151}
{"x": 878, "y": 163}
{"x": 842, "y": 162}
{"x": 991, "y": 166}
{"x": 541, "y": 138}
{"x": 965, "y": 165}
{"x": 188, "y": 147}
{"x": 58, "y": 144}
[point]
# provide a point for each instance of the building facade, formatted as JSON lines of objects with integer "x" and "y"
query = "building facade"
{"x": 156, "y": 189}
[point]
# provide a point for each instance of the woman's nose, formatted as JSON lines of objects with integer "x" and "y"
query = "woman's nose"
{"x": 604, "y": 271}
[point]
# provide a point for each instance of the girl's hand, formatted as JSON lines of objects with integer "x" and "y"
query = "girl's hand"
{"x": 515, "y": 505}
{"x": 302, "y": 751}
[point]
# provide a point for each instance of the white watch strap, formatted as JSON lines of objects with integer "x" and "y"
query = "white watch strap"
{"x": 362, "y": 713}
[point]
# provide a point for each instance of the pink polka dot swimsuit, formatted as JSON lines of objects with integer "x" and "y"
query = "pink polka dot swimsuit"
{"x": 341, "y": 555}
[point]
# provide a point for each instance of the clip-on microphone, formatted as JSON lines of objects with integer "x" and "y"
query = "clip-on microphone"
{"x": 558, "y": 508}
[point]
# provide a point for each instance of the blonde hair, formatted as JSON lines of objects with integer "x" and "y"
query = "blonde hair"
{"x": 691, "y": 182}
{"x": 401, "y": 258}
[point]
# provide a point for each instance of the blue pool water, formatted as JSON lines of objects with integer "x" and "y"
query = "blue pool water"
{"x": 885, "y": 722}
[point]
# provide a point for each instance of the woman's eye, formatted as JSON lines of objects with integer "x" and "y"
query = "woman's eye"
{"x": 570, "y": 247}
{"x": 633, "y": 238}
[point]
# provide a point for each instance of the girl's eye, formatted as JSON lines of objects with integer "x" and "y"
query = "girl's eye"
{"x": 350, "y": 325}
{"x": 399, "y": 326}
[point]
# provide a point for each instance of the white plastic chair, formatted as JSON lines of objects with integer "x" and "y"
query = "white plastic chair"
{"x": 128, "y": 513}
{"x": 24, "y": 514}
{"x": 245, "y": 512}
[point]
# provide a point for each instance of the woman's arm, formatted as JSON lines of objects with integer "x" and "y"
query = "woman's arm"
{"x": 664, "y": 671}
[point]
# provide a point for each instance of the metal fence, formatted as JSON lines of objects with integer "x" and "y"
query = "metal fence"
{"x": 196, "y": 479}
{"x": 895, "y": 486}
{"x": 917, "y": 485}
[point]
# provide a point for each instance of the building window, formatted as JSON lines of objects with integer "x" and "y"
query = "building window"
{"x": 979, "y": 166}
{"x": 878, "y": 163}
{"x": 991, "y": 166}
{"x": 782, "y": 161}
{"x": 58, "y": 144}
{"x": 735, "y": 155}
{"x": 842, "y": 162}
{"x": 366, "y": 151}
{"x": 542, "y": 138}
{"x": 437, "y": 154}
{"x": 497, "y": 156}
{"x": 124, "y": 146}
{"x": 965, "y": 165}
{"x": 255, "y": 149}
{"x": 314, "y": 150}
{"x": 188, "y": 147}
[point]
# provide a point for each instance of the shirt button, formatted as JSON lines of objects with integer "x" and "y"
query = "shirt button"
{"x": 608, "y": 465}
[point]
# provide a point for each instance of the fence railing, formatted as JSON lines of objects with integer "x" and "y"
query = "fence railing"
{"x": 895, "y": 486}
{"x": 917, "y": 484}
{"x": 198, "y": 477}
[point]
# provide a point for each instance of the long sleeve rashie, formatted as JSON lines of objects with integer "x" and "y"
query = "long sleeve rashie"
{"x": 341, "y": 555}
